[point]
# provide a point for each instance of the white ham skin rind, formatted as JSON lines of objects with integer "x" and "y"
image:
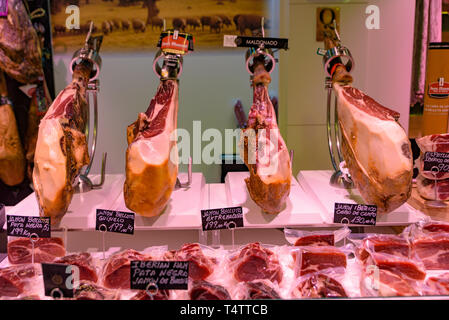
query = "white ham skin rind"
{"x": 378, "y": 141}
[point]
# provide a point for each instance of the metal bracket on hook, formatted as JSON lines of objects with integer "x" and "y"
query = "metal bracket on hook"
{"x": 179, "y": 184}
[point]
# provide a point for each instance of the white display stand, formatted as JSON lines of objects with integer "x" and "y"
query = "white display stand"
{"x": 182, "y": 212}
{"x": 316, "y": 184}
{"x": 82, "y": 208}
{"x": 300, "y": 210}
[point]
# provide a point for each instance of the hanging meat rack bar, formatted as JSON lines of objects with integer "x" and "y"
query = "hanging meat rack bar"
{"x": 338, "y": 64}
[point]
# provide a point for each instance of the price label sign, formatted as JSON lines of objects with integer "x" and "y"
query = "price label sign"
{"x": 163, "y": 275}
{"x": 222, "y": 218}
{"x": 115, "y": 221}
{"x": 22, "y": 226}
{"x": 60, "y": 279}
{"x": 2, "y": 215}
{"x": 439, "y": 160}
{"x": 3, "y": 8}
{"x": 254, "y": 42}
{"x": 348, "y": 213}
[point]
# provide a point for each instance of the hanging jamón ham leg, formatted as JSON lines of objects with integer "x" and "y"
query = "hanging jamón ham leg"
{"x": 12, "y": 159}
{"x": 264, "y": 151}
{"x": 375, "y": 148}
{"x": 152, "y": 155}
{"x": 61, "y": 148}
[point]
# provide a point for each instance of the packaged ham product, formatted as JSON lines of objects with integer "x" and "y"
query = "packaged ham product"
{"x": 16, "y": 280}
{"x": 258, "y": 290}
{"x": 311, "y": 259}
{"x": 315, "y": 238}
{"x": 200, "y": 266}
{"x": 389, "y": 275}
{"x": 433, "y": 250}
{"x": 84, "y": 262}
{"x": 117, "y": 269}
{"x": 432, "y": 143}
{"x": 159, "y": 295}
{"x": 255, "y": 262}
{"x": 203, "y": 290}
{"x": 438, "y": 285}
{"x": 88, "y": 290}
{"x": 380, "y": 243}
{"x": 426, "y": 188}
{"x": 320, "y": 284}
{"x": 45, "y": 250}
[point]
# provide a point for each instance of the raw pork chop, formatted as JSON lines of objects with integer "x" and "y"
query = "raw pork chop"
{"x": 376, "y": 149}
{"x": 200, "y": 266}
{"x": 264, "y": 151}
{"x": 84, "y": 262}
{"x": 426, "y": 188}
{"x": 13, "y": 280}
{"x": 312, "y": 259}
{"x": 319, "y": 285}
{"x": 117, "y": 270}
{"x": 45, "y": 250}
{"x": 255, "y": 262}
{"x": 61, "y": 148}
{"x": 152, "y": 154}
{"x": 432, "y": 143}
{"x": 12, "y": 158}
{"x": 203, "y": 290}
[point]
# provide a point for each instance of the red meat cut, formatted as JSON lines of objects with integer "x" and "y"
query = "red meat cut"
{"x": 203, "y": 290}
{"x": 90, "y": 291}
{"x": 260, "y": 290}
{"x": 426, "y": 188}
{"x": 433, "y": 250}
{"x": 436, "y": 226}
{"x": 13, "y": 280}
{"x": 316, "y": 240}
{"x": 84, "y": 262}
{"x": 432, "y": 143}
{"x": 160, "y": 295}
{"x": 45, "y": 250}
{"x": 200, "y": 266}
{"x": 384, "y": 243}
{"x": 312, "y": 259}
{"x": 255, "y": 262}
{"x": 438, "y": 285}
{"x": 117, "y": 270}
{"x": 318, "y": 285}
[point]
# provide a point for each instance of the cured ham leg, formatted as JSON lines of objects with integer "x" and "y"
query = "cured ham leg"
{"x": 61, "y": 148}
{"x": 12, "y": 159}
{"x": 151, "y": 158}
{"x": 375, "y": 148}
{"x": 264, "y": 151}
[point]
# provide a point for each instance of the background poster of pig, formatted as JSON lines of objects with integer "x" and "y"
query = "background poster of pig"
{"x": 132, "y": 25}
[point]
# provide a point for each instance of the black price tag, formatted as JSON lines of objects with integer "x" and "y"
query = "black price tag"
{"x": 115, "y": 221}
{"x": 222, "y": 218}
{"x": 2, "y": 215}
{"x": 59, "y": 279}
{"x": 436, "y": 159}
{"x": 22, "y": 226}
{"x": 3, "y": 8}
{"x": 347, "y": 213}
{"x": 163, "y": 275}
{"x": 255, "y": 42}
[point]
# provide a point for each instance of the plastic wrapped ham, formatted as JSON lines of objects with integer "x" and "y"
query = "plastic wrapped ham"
{"x": 18, "y": 281}
{"x": 258, "y": 290}
{"x": 85, "y": 263}
{"x": 201, "y": 266}
{"x": 437, "y": 285}
{"x": 380, "y": 243}
{"x": 432, "y": 189}
{"x": 312, "y": 259}
{"x": 433, "y": 250}
{"x": 325, "y": 283}
{"x": 45, "y": 250}
{"x": 88, "y": 290}
{"x": 315, "y": 238}
{"x": 254, "y": 262}
{"x": 432, "y": 143}
{"x": 204, "y": 290}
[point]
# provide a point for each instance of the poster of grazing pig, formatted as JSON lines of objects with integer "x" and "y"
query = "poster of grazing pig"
{"x": 131, "y": 25}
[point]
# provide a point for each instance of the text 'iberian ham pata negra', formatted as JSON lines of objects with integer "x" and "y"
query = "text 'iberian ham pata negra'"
{"x": 264, "y": 151}
{"x": 152, "y": 155}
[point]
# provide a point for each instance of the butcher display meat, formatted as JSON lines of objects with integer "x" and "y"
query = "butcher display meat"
{"x": 426, "y": 188}
{"x": 319, "y": 285}
{"x": 260, "y": 290}
{"x": 151, "y": 157}
{"x": 312, "y": 259}
{"x": 14, "y": 280}
{"x": 61, "y": 148}
{"x": 432, "y": 143}
{"x": 20, "y": 250}
{"x": 264, "y": 151}
{"x": 316, "y": 240}
{"x": 20, "y": 52}
{"x": 83, "y": 261}
{"x": 438, "y": 285}
{"x": 435, "y": 226}
{"x": 203, "y": 290}
{"x": 160, "y": 295}
{"x": 256, "y": 262}
{"x": 12, "y": 159}
{"x": 88, "y": 290}
{"x": 200, "y": 266}
{"x": 384, "y": 243}
{"x": 433, "y": 250}
{"x": 376, "y": 149}
{"x": 117, "y": 270}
